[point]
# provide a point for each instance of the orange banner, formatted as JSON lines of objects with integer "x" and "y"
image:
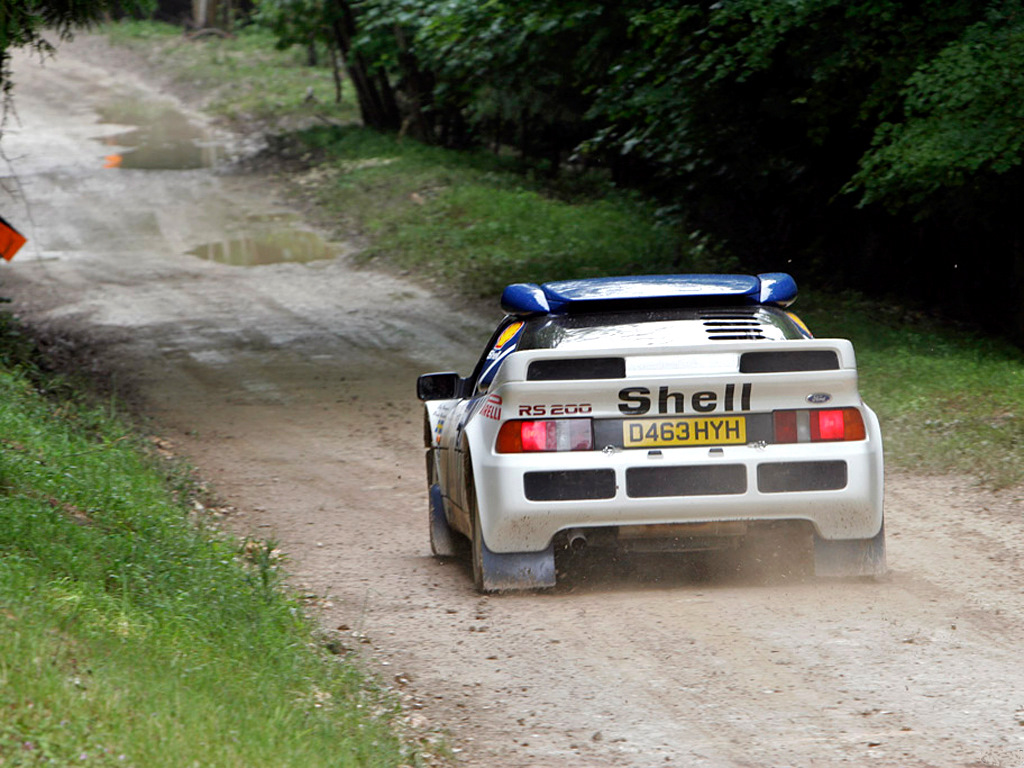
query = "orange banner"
{"x": 11, "y": 240}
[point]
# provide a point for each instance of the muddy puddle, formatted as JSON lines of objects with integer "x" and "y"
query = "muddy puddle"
{"x": 163, "y": 138}
{"x": 277, "y": 247}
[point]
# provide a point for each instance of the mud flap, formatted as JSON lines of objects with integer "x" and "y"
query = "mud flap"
{"x": 516, "y": 570}
{"x": 851, "y": 557}
{"x": 442, "y": 537}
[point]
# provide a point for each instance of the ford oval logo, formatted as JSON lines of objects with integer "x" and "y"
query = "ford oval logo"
{"x": 819, "y": 398}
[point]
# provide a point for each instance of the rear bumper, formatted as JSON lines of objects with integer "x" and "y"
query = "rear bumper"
{"x": 526, "y": 499}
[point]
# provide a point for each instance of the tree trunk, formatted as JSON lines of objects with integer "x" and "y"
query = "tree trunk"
{"x": 419, "y": 88}
{"x": 204, "y": 13}
{"x": 377, "y": 104}
{"x": 332, "y": 50}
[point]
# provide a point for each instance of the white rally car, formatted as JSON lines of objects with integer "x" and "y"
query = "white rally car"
{"x": 649, "y": 413}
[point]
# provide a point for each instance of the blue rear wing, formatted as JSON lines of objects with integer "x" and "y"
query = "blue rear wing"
{"x": 604, "y": 293}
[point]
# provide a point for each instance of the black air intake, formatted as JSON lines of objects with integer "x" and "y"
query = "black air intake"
{"x": 783, "y": 362}
{"x": 577, "y": 368}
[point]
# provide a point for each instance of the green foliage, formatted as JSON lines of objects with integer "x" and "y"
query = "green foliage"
{"x": 503, "y": 61}
{"x": 295, "y": 22}
{"x": 744, "y": 86}
{"x": 383, "y": 24}
{"x": 963, "y": 118}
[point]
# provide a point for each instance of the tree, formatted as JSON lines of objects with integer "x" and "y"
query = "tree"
{"x": 961, "y": 120}
{"x": 302, "y": 22}
{"x": 521, "y": 72}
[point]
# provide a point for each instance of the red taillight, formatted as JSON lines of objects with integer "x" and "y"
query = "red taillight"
{"x": 537, "y": 435}
{"x": 827, "y": 425}
{"x": 817, "y": 426}
{"x": 548, "y": 435}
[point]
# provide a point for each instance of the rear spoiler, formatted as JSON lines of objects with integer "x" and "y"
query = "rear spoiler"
{"x": 648, "y": 291}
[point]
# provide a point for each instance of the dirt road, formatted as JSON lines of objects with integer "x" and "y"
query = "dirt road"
{"x": 290, "y": 386}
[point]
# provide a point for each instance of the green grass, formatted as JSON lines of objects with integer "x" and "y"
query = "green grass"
{"x": 132, "y": 635}
{"x": 243, "y": 77}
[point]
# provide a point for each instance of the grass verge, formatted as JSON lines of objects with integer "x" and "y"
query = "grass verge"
{"x": 132, "y": 636}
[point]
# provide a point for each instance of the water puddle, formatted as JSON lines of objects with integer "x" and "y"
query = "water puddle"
{"x": 163, "y": 139}
{"x": 279, "y": 247}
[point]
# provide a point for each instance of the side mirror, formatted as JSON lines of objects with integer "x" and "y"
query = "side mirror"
{"x": 438, "y": 386}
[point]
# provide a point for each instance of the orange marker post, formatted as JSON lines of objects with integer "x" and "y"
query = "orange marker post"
{"x": 11, "y": 240}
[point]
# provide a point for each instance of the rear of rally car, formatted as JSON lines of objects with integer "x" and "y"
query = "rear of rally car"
{"x": 645, "y": 447}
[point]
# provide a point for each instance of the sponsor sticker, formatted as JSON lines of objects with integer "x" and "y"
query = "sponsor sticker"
{"x": 801, "y": 325}
{"x": 508, "y": 334}
{"x": 492, "y": 407}
{"x": 503, "y": 347}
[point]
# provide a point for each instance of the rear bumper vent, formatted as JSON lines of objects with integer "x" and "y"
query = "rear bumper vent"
{"x": 792, "y": 476}
{"x": 651, "y": 482}
{"x": 570, "y": 485}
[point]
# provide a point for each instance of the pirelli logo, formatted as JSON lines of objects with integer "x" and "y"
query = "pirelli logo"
{"x": 636, "y": 401}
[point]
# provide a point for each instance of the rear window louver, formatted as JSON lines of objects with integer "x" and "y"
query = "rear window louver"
{"x": 570, "y": 369}
{"x": 738, "y": 326}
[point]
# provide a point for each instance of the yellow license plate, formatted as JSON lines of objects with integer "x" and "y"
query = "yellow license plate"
{"x": 665, "y": 433}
